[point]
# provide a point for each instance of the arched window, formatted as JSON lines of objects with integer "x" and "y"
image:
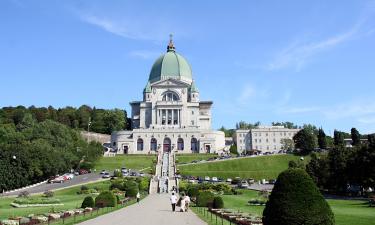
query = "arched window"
{"x": 170, "y": 96}
{"x": 139, "y": 144}
{"x": 154, "y": 144}
{"x": 180, "y": 144}
{"x": 194, "y": 145}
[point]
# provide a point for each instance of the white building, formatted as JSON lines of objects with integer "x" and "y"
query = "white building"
{"x": 262, "y": 138}
{"x": 171, "y": 115}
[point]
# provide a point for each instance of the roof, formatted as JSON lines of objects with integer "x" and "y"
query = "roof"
{"x": 171, "y": 65}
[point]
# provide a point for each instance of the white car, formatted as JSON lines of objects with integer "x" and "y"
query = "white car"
{"x": 207, "y": 178}
{"x": 244, "y": 184}
{"x": 106, "y": 175}
{"x": 69, "y": 176}
{"x": 103, "y": 172}
{"x": 214, "y": 179}
{"x": 229, "y": 180}
{"x": 59, "y": 179}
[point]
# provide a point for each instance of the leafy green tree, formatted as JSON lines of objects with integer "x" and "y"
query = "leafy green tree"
{"x": 338, "y": 159}
{"x": 233, "y": 149}
{"x": 322, "y": 140}
{"x": 296, "y": 200}
{"x": 286, "y": 124}
{"x": 287, "y": 144}
{"x": 356, "y": 137}
{"x": 305, "y": 140}
{"x": 318, "y": 169}
{"x": 338, "y": 138}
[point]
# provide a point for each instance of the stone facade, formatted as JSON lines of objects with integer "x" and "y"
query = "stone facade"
{"x": 171, "y": 116}
{"x": 263, "y": 138}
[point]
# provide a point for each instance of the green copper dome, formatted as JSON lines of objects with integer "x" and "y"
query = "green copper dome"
{"x": 171, "y": 65}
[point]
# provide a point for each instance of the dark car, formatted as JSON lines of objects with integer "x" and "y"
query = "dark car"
{"x": 83, "y": 171}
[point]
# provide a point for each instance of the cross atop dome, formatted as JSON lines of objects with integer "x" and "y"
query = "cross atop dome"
{"x": 170, "y": 47}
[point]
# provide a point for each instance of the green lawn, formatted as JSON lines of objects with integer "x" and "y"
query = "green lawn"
{"x": 136, "y": 162}
{"x": 187, "y": 158}
{"x": 260, "y": 167}
{"x": 347, "y": 212}
{"x": 68, "y": 197}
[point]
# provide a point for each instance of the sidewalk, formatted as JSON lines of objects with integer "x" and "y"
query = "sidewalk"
{"x": 153, "y": 210}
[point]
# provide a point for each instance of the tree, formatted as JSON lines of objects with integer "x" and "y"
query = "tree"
{"x": 338, "y": 167}
{"x": 305, "y": 140}
{"x": 287, "y": 144}
{"x": 286, "y": 124}
{"x": 356, "y": 137}
{"x": 318, "y": 169}
{"x": 322, "y": 140}
{"x": 338, "y": 138}
{"x": 296, "y": 200}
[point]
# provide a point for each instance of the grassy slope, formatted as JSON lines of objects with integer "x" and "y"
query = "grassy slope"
{"x": 129, "y": 161}
{"x": 257, "y": 167}
{"x": 187, "y": 158}
{"x": 347, "y": 212}
{"x": 67, "y": 196}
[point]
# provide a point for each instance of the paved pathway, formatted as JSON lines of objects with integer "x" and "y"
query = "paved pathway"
{"x": 153, "y": 210}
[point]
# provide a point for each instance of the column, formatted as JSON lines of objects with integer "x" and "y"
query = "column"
{"x": 172, "y": 117}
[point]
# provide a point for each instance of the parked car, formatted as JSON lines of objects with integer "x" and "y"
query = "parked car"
{"x": 59, "y": 179}
{"x": 243, "y": 184}
{"x": 103, "y": 172}
{"x": 229, "y": 180}
{"x": 123, "y": 170}
{"x": 207, "y": 178}
{"x": 125, "y": 174}
{"x": 106, "y": 175}
{"x": 69, "y": 176}
{"x": 51, "y": 178}
{"x": 214, "y": 179}
{"x": 141, "y": 174}
{"x": 83, "y": 171}
{"x": 251, "y": 181}
{"x": 272, "y": 181}
{"x": 133, "y": 173}
{"x": 194, "y": 161}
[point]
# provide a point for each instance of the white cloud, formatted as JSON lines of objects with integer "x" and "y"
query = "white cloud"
{"x": 297, "y": 110}
{"x": 367, "y": 120}
{"x": 144, "y": 54}
{"x": 297, "y": 54}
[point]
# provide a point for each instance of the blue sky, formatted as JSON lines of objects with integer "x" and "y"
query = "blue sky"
{"x": 300, "y": 61}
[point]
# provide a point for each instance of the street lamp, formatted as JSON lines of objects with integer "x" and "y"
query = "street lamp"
{"x": 88, "y": 130}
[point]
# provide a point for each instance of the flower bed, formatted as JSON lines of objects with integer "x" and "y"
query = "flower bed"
{"x": 236, "y": 217}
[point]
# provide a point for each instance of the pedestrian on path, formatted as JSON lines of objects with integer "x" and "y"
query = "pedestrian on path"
{"x": 173, "y": 201}
{"x": 138, "y": 197}
{"x": 187, "y": 202}
{"x": 182, "y": 202}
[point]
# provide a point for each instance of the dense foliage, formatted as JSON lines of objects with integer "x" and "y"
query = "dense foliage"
{"x": 305, "y": 140}
{"x": 296, "y": 200}
{"x": 105, "y": 199}
{"x": 218, "y": 203}
{"x": 101, "y": 120}
{"x": 343, "y": 167}
{"x": 131, "y": 185}
{"x": 88, "y": 202}
{"x": 32, "y": 151}
{"x": 205, "y": 199}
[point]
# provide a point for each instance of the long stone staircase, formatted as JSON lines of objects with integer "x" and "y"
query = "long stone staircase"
{"x": 164, "y": 179}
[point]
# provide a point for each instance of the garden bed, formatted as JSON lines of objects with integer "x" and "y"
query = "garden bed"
{"x": 35, "y": 202}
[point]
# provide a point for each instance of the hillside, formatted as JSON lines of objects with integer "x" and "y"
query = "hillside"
{"x": 267, "y": 167}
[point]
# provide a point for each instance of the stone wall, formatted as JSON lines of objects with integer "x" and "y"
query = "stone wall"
{"x": 91, "y": 136}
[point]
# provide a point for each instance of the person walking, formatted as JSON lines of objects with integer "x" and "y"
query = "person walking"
{"x": 187, "y": 202}
{"x": 182, "y": 203}
{"x": 138, "y": 197}
{"x": 173, "y": 201}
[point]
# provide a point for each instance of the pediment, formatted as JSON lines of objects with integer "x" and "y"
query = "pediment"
{"x": 170, "y": 83}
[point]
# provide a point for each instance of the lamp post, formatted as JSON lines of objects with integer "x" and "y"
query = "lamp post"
{"x": 88, "y": 130}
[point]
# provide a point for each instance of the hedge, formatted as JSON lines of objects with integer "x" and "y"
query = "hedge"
{"x": 88, "y": 202}
{"x": 218, "y": 203}
{"x": 105, "y": 199}
{"x": 205, "y": 199}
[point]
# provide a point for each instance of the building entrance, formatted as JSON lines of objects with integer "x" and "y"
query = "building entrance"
{"x": 167, "y": 145}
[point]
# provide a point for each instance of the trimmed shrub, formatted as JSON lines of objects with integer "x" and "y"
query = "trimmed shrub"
{"x": 117, "y": 173}
{"x": 131, "y": 188}
{"x": 295, "y": 200}
{"x": 117, "y": 199}
{"x": 105, "y": 199}
{"x": 205, "y": 199}
{"x": 88, "y": 202}
{"x": 48, "y": 194}
{"x": 84, "y": 188}
{"x": 144, "y": 184}
{"x": 193, "y": 191}
{"x": 23, "y": 194}
{"x": 116, "y": 184}
{"x": 218, "y": 203}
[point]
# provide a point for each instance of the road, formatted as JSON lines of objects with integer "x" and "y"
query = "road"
{"x": 81, "y": 179}
{"x": 155, "y": 209}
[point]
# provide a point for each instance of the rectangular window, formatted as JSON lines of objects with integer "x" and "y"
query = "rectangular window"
{"x": 163, "y": 119}
{"x": 169, "y": 116}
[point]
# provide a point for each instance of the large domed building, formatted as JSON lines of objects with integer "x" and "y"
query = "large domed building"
{"x": 171, "y": 117}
